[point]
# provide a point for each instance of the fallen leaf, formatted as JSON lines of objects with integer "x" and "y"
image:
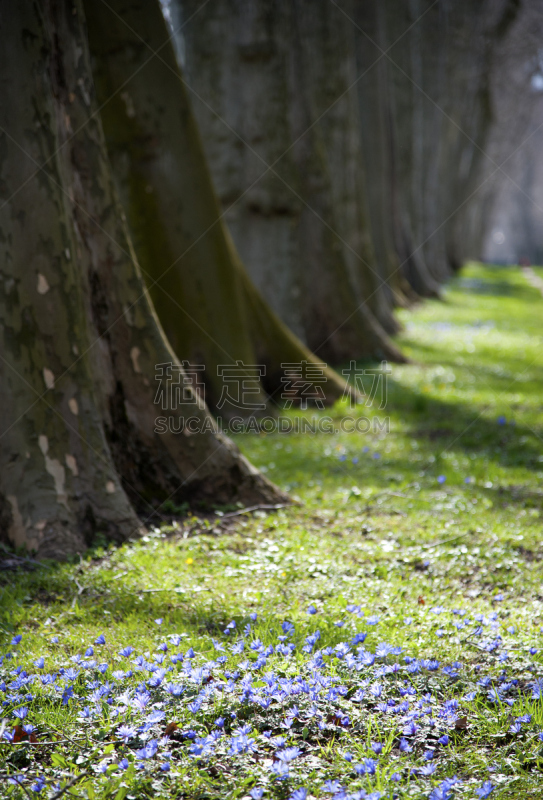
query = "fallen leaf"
{"x": 461, "y": 724}
{"x": 19, "y": 735}
{"x": 421, "y": 600}
{"x": 170, "y": 728}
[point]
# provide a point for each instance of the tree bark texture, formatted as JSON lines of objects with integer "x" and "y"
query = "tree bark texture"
{"x": 80, "y": 339}
{"x": 211, "y": 312}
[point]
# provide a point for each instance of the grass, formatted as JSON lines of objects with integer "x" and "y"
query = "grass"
{"x": 426, "y": 537}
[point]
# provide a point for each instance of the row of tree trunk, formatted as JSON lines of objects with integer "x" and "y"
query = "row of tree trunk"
{"x": 347, "y": 143}
{"x": 343, "y": 142}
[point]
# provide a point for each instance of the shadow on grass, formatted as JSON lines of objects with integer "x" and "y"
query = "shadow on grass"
{"x": 465, "y": 428}
{"x": 52, "y": 586}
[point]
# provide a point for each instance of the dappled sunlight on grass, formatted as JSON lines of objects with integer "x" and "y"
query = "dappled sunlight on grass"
{"x": 396, "y": 648}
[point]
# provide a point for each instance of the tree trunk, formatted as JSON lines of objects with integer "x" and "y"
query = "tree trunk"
{"x": 211, "y": 312}
{"x": 439, "y": 70}
{"x": 80, "y": 338}
{"x": 287, "y": 163}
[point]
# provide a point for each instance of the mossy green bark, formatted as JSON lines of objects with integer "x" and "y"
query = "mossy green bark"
{"x": 80, "y": 338}
{"x": 211, "y": 312}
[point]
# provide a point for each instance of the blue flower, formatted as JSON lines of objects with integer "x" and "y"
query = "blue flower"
{"x": 257, "y": 793}
{"x": 38, "y": 786}
{"x": 287, "y": 627}
{"x": 126, "y": 651}
{"x": 100, "y": 640}
{"x": 537, "y": 689}
{"x": 516, "y": 727}
{"x": 155, "y": 716}
{"x": 441, "y": 478}
{"x": 410, "y": 729}
{"x": 441, "y": 792}
{"x": 311, "y": 641}
{"x": 367, "y": 767}
{"x": 159, "y": 621}
{"x": 311, "y": 610}
{"x": 39, "y": 662}
{"x": 280, "y": 770}
{"x": 140, "y": 700}
{"x": 299, "y": 794}
{"x": 126, "y": 733}
{"x": 484, "y": 790}
{"x": 444, "y": 740}
{"x": 149, "y": 751}
{"x": 331, "y": 787}
{"x": 377, "y": 747}
{"x": 288, "y": 754}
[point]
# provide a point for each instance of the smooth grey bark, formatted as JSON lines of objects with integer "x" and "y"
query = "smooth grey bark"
{"x": 513, "y": 195}
{"x": 394, "y": 155}
{"x": 274, "y": 85}
{"x": 79, "y": 336}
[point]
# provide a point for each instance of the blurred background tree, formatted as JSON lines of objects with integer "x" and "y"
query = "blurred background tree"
{"x": 280, "y": 175}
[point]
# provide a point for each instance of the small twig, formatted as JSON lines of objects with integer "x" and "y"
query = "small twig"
{"x": 248, "y": 510}
{"x": 27, "y": 742}
{"x": 69, "y": 785}
{"x": 445, "y": 541}
{"x": 23, "y": 787}
{"x": 176, "y": 590}
{"x": 23, "y": 559}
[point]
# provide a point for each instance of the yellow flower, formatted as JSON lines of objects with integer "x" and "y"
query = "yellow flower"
{"x": 189, "y": 561}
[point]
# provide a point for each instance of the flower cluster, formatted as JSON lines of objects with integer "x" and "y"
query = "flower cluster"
{"x": 264, "y": 699}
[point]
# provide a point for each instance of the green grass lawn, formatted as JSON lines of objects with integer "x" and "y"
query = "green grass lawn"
{"x": 423, "y": 534}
